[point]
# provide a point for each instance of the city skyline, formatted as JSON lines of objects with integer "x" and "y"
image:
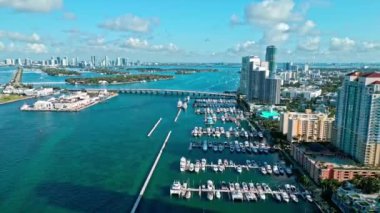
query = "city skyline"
{"x": 152, "y": 31}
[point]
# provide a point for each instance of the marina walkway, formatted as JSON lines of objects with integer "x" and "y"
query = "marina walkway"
{"x": 150, "y": 173}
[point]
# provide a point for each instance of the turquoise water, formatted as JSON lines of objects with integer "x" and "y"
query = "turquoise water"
{"x": 96, "y": 160}
{"x": 269, "y": 114}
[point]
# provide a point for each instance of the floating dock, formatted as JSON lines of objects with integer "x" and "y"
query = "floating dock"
{"x": 150, "y": 173}
{"x": 154, "y": 127}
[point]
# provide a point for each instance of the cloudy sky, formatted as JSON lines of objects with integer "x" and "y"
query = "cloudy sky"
{"x": 192, "y": 31}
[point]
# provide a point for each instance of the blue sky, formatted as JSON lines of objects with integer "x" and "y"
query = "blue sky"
{"x": 191, "y": 31}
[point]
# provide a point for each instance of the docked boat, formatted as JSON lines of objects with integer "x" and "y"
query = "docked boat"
{"x": 204, "y": 146}
{"x": 220, "y": 148}
{"x": 281, "y": 170}
{"x": 188, "y": 195}
{"x": 289, "y": 171}
{"x": 228, "y": 134}
{"x": 197, "y": 166}
{"x": 203, "y": 164}
{"x": 184, "y": 105}
{"x": 278, "y": 197}
{"x": 191, "y": 167}
{"x": 210, "y": 188}
{"x": 215, "y": 148}
{"x": 263, "y": 170}
{"x": 239, "y": 169}
{"x": 215, "y": 168}
{"x": 309, "y": 198}
{"x": 182, "y": 164}
{"x": 231, "y": 186}
{"x": 260, "y": 134}
{"x": 294, "y": 198}
{"x": 179, "y": 104}
{"x": 218, "y": 194}
{"x": 285, "y": 196}
{"x": 275, "y": 170}
{"x": 269, "y": 169}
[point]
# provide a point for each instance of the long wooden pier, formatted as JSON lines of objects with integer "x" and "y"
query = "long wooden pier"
{"x": 150, "y": 174}
{"x": 154, "y": 127}
{"x": 176, "y": 117}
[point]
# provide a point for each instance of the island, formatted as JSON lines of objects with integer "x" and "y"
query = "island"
{"x": 106, "y": 71}
{"x": 59, "y": 72}
{"x": 176, "y": 70}
{"x": 118, "y": 79}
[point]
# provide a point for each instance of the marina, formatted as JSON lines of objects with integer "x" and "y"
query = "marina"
{"x": 240, "y": 191}
{"x": 277, "y": 169}
{"x": 115, "y": 186}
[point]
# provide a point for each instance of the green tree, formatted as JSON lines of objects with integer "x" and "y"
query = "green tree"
{"x": 329, "y": 186}
{"x": 368, "y": 185}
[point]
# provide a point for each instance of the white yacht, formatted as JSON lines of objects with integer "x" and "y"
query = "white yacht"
{"x": 179, "y": 104}
{"x": 294, "y": 198}
{"x": 218, "y": 194}
{"x": 309, "y": 198}
{"x": 285, "y": 196}
{"x": 182, "y": 164}
{"x": 203, "y": 164}
{"x": 184, "y": 105}
{"x": 197, "y": 166}
{"x": 210, "y": 188}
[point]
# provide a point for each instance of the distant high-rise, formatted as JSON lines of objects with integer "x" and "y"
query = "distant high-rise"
{"x": 93, "y": 61}
{"x": 357, "y": 127}
{"x": 270, "y": 57}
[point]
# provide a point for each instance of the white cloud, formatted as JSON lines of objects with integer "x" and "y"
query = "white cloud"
{"x": 142, "y": 44}
{"x": 311, "y": 44}
{"x": 129, "y": 23}
{"x": 69, "y": 16}
{"x": 246, "y": 47}
{"x": 36, "y": 48}
{"x": 268, "y": 12}
{"x": 15, "y": 36}
{"x": 277, "y": 34}
{"x": 341, "y": 44}
{"x": 307, "y": 27}
{"x": 32, "y": 5}
{"x": 135, "y": 43}
{"x": 98, "y": 41}
{"x": 368, "y": 46}
{"x": 235, "y": 20}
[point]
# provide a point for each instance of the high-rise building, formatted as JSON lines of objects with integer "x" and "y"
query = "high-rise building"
{"x": 106, "y": 62}
{"x": 357, "y": 126}
{"x": 247, "y": 66}
{"x": 257, "y": 80}
{"x": 270, "y": 57}
{"x": 93, "y": 61}
{"x": 118, "y": 62}
{"x": 272, "y": 91}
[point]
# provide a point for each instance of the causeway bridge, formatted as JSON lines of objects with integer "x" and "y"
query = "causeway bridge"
{"x": 191, "y": 93}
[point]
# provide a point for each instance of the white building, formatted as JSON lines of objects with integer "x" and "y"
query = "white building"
{"x": 308, "y": 92}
